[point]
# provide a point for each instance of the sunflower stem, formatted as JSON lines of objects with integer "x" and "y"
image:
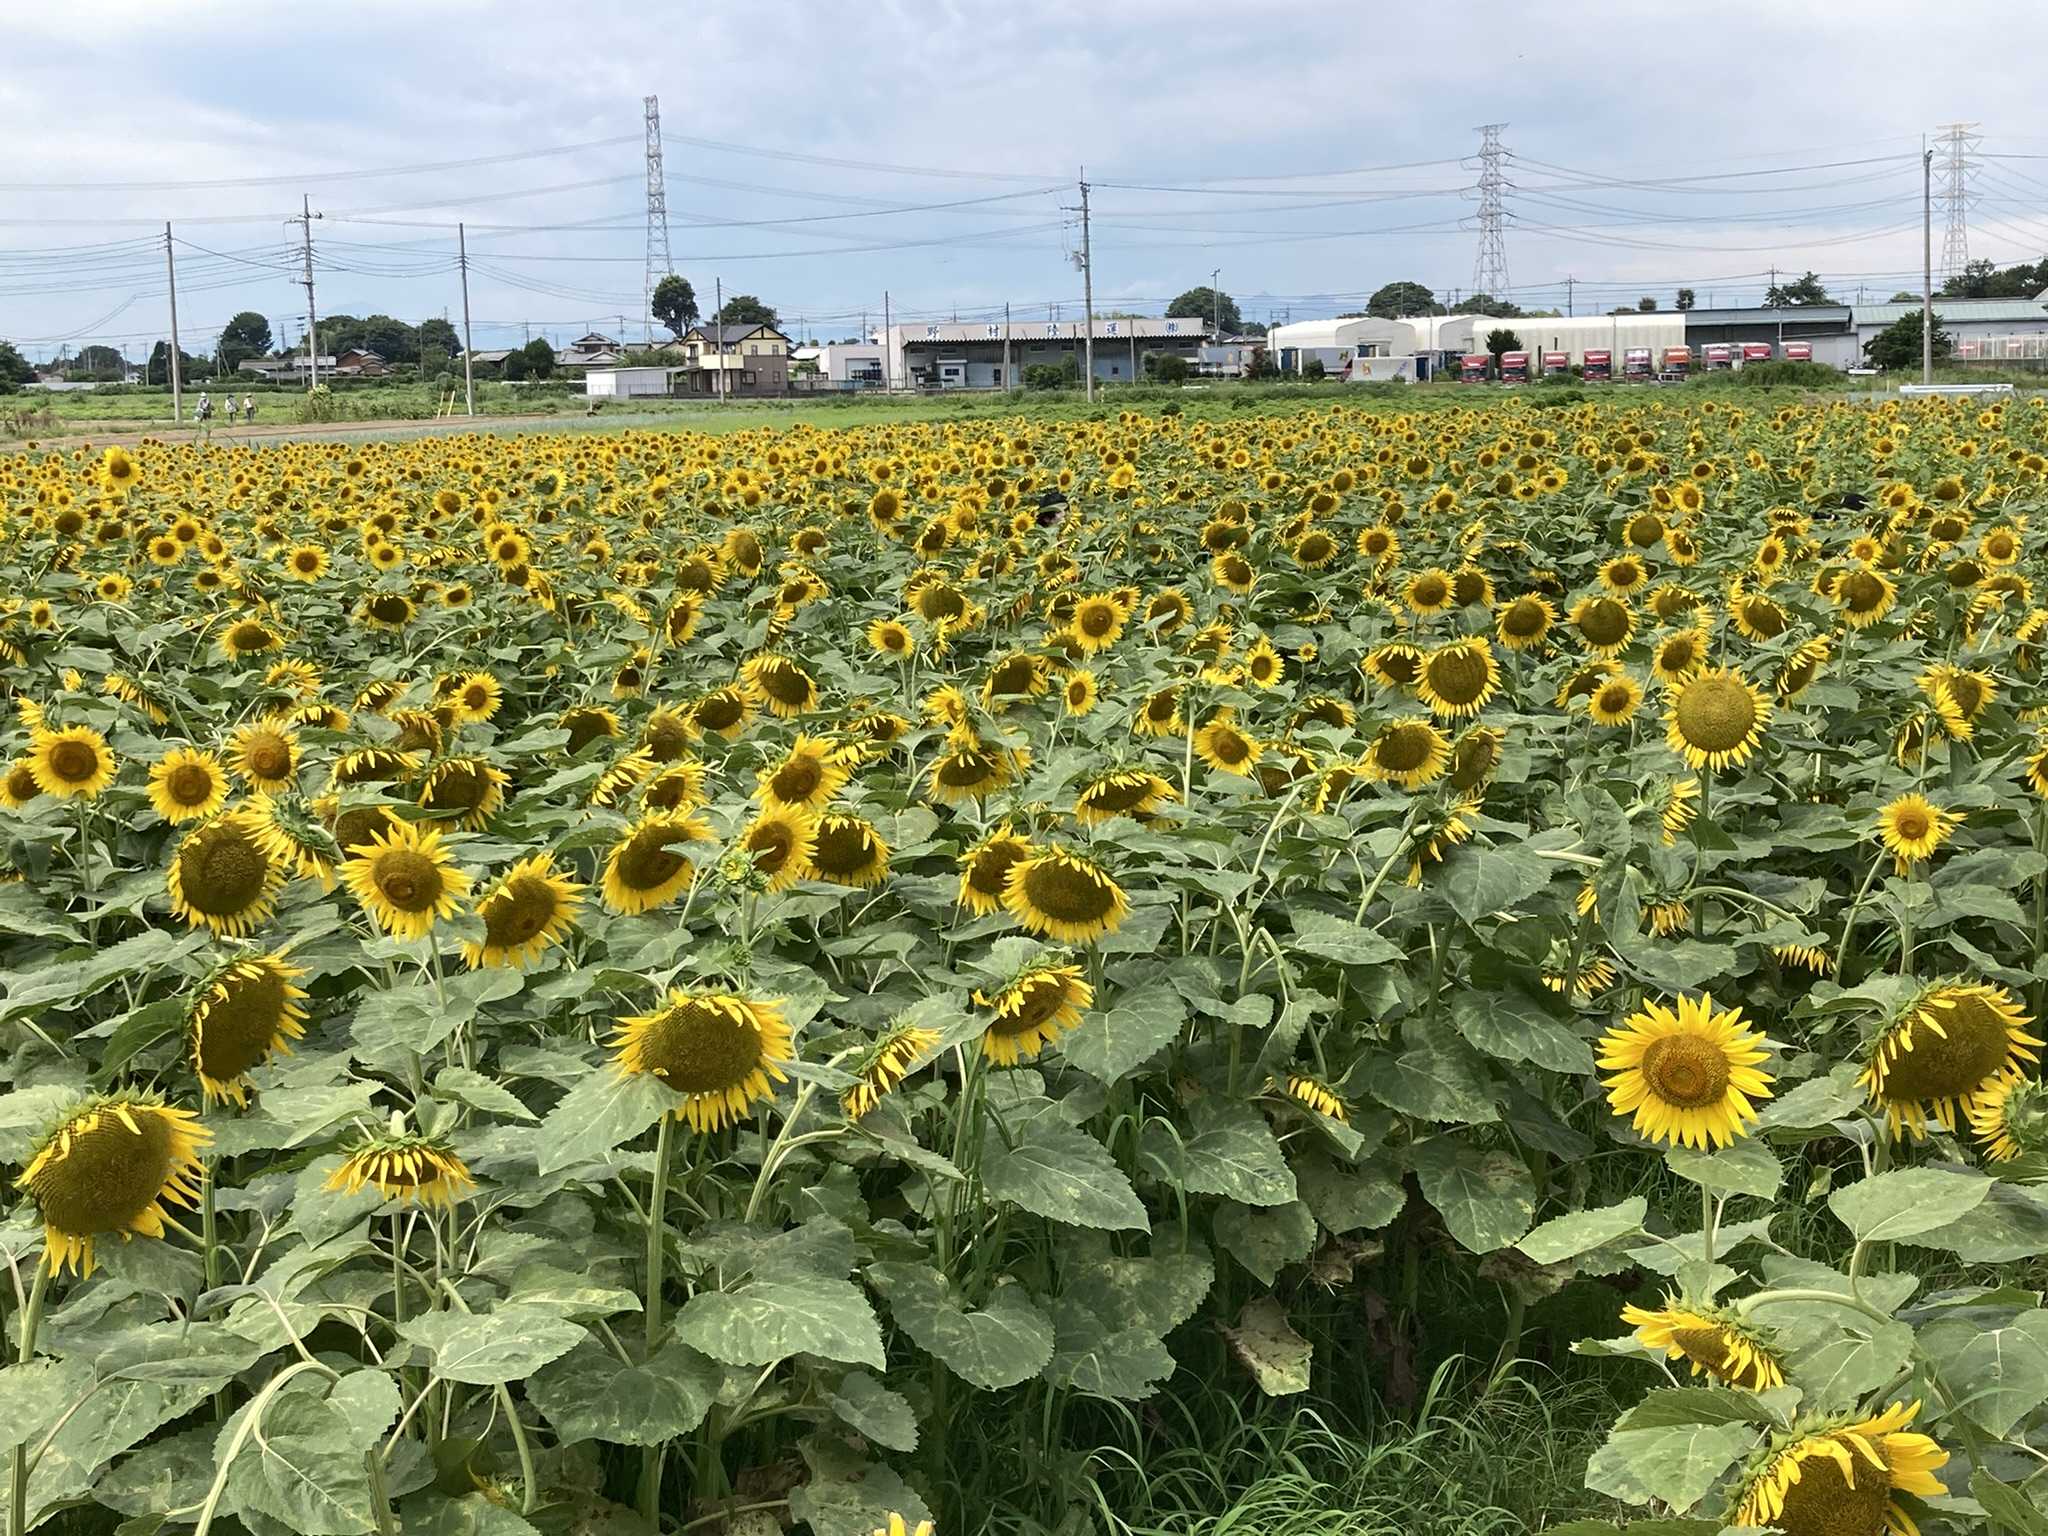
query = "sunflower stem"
{"x": 1710, "y": 1218}
{"x": 657, "y": 1207}
{"x": 2040, "y": 901}
{"x": 1849, "y": 922}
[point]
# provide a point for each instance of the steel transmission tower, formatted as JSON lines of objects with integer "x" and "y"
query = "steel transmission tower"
{"x": 1490, "y": 266}
{"x": 658, "y": 261}
{"x": 1957, "y": 140}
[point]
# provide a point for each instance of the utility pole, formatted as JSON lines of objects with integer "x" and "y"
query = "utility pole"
{"x": 1215, "y": 305}
{"x": 1087, "y": 294}
{"x": 1568, "y": 307}
{"x": 1009, "y": 383}
{"x": 1926, "y": 266}
{"x": 1955, "y": 196}
{"x": 888, "y": 349}
{"x": 171, "y": 270}
{"x": 305, "y": 223}
{"x": 468, "y": 349}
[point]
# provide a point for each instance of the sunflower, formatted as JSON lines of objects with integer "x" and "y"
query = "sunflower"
{"x": 644, "y": 869}
{"x": 1864, "y": 596}
{"x": 779, "y": 843}
{"x": 107, "y": 1167}
{"x": 1019, "y": 675}
{"x": 1605, "y": 624}
{"x": 1475, "y": 758}
{"x": 1224, "y": 747}
{"x": 404, "y": 1167}
{"x": 1032, "y": 1011}
{"x": 1133, "y": 792}
{"x": 1797, "y": 672}
{"x": 985, "y": 869}
{"x": 1959, "y": 697}
{"x": 786, "y": 687}
{"x": 1716, "y": 718}
{"x": 970, "y": 770}
{"x": 1097, "y": 623}
{"x": 264, "y": 757}
{"x": 1712, "y": 1341}
{"x": 1844, "y": 1479}
{"x": 1458, "y": 679}
{"x": 891, "y": 638}
{"x": 465, "y": 790}
{"x": 717, "y": 1051}
{"x": 1430, "y": 591}
{"x": 187, "y": 785}
{"x": 1159, "y": 715}
{"x": 1615, "y": 701}
{"x": 73, "y": 763}
{"x": 306, "y": 562}
{"x": 1066, "y": 896}
{"x": 476, "y": 697}
{"x": 1913, "y": 827}
{"x": 1522, "y": 623}
{"x": 847, "y": 850}
{"x": 1687, "y": 1075}
{"x": 2007, "y": 1117}
{"x": 1080, "y": 692}
{"x": 529, "y": 907}
{"x": 1678, "y": 655}
{"x": 810, "y": 773}
{"x": 1410, "y": 753}
{"x": 246, "y": 1011}
{"x": 18, "y": 784}
{"x": 224, "y": 875}
{"x": 1312, "y": 1094}
{"x": 405, "y": 880}
{"x": 248, "y": 637}
{"x": 880, "y": 1069}
{"x": 1954, "y": 1041}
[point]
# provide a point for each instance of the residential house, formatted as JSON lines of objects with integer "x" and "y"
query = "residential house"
{"x": 360, "y": 363}
{"x": 733, "y": 360}
{"x": 594, "y": 350}
{"x": 289, "y": 369}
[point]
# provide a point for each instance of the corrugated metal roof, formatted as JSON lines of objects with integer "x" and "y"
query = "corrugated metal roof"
{"x": 1022, "y": 330}
{"x": 1825, "y": 314}
{"x": 1998, "y": 311}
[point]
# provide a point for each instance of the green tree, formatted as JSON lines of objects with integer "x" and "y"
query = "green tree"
{"x": 540, "y": 358}
{"x": 1686, "y": 299}
{"x": 1898, "y": 344}
{"x": 745, "y": 309}
{"x": 340, "y": 333}
{"x": 392, "y": 340}
{"x": 244, "y": 337}
{"x": 1487, "y": 304}
{"x": 1393, "y": 300}
{"x": 437, "y": 342}
{"x": 1502, "y": 340}
{"x": 1646, "y": 305}
{"x": 158, "y": 369}
{"x": 1207, "y": 304}
{"x": 15, "y": 370}
{"x": 1903, "y": 297}
{"x": 99, "y": 362}
{"x": 675, "y": 304}
{"x": 1800, "y": 291}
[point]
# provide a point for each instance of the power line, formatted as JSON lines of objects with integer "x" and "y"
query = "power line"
{"x": 300, "y": 177}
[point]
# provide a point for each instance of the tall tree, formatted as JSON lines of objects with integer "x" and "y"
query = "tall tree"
{"x": 1800, "y": 291}
{"x": 244, "y": 337}
{"x": 675, "y": 304}
{"x": 1898, "y": 344}
{"x": 1207, "y": 305}
{"x": 392, "y": 340}
{"x": 1500, "y": 340}
{"x": 1393, "y": 300}
{"x": 158, "y": 369}
{"x": 1686, "y": 299}
{"x": 1646, "y": 305}
{"x": 540, "y": 357}
{"x": 745, "y": 309}
{"x": 15, "y": 370}
{"x": 1487, "y": 304}
{"x": 437, "y": 342}
{"x": 99, "y": 362}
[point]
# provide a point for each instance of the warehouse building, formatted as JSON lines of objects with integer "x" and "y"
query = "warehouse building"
{"x": 1827, "y": 331}
{"x": 1973, "y": 323}
{"x": 992, "y": 355}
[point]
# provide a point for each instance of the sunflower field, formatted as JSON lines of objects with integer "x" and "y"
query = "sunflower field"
{"x": 817, "y": 979}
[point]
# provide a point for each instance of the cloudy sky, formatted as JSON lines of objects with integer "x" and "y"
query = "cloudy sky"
{"x": 821, "y": 155}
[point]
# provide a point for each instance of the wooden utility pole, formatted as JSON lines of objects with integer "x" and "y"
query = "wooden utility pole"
{"x": 468, "y": 347}
{"x": 1087, "y": 294}
{"x": 177, "y": 387}
{"x": 1926, "y": 266}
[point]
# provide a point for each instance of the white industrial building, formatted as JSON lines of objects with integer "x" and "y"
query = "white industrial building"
{"x": 1974, "y": 324}
{"x": 994, "y": 355}
{"x": 850, "y": 364}
{"x": 621, "y": 383}
{"x": 1573, "y": 335}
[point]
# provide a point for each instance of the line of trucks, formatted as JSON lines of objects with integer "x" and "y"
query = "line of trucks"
{"x": 1639, "y": 365}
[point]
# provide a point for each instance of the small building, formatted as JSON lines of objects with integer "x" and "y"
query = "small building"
{"x": 850, "y": 364}
{"x": 750, "y": 358}
{"x": 624, "y": 383}
{"x": 1575, "y": 335}
{"x": 594, "y": 350}
{"x": 992, "y": 355}
{"x": 1968, "y": 321}
{"x": 360, "y": 363}
{"x": 1228, "y": 357}
{"x": 289, "y": 369}
{"x": 1827, "y": 330}
{"x": 493, "y": 357}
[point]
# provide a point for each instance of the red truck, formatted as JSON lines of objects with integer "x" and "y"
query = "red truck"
{"x": 1635, "y": 364}
{"x": 1556, "y": 362}
{"x": 1755, "y": 352}
{"x": 1715, "y": 356}
{"x": 1514, "y": 367}
{"x": 1599, "y": 364}
{"x": 1798, "y": 351}
{"x": 1472, "y": 367}
{"x": 1677, "y": 363}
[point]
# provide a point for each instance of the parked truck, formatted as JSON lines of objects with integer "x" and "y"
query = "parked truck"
{"x": 1676, "y": 364}
{"x": 1472, "y": 367}
{"x": 1514, "y": 367}
{"x": 1635, "y": 365}
{"x": 1599, "y": 364}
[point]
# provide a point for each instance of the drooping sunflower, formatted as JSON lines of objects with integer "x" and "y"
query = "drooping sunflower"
{"x": 1310, "y": 1093}
{"x": 248, "y": 637}
{"x": 405, "y": 1167}
{"x": 1159, "y": 715}
{"x": 1066, "y": 896}
{"x": 847, "y": 850}
{"x": 1797, "y": 672}
{"x": 1224, "y": 747}
{"x": 224, "y": 875}
{"x": 71, "y": 764}
{"x": 1133, "y": 792}
{"x": 1716, "y": 718}
{"x": 644, "y": 869}
{"x": 1864, "y": 595}
{"x": 719, "y": 1052}
{"x": 108, "y": 1167}
{"x": 1688, "y": 1075}
{"x": 1841, "y": 1478}
{"x": 779, "y": 843}
{"x": 1713, "y": 1341}
{"x": 465, "y": 790}
{"x": 972, "y": 770}
{"x": 405, "y": 879}
{"x": 1032, "y": 1011}
{"x": 1604, "y": 624}
{"x": 529, "y": 907}
{"x": 1458, "y": 679}
{"x": 782, "y": 683}
{"x": 2008, "y": 1117}
{"x": 985, "y": 869}
{"x": 1953, "y": 1042}
{"x": 1959, "y": 697}
{"x": 1410, "y": 753}
{"x": 187, "y": 785}
{"x": 881, "y": 1068}
{"x": 1912, "y": 827}
{"x": 1475, "y": 758}
{"x": 1681, "y": 804}
{"x": 18, "y": 784}
{"x": 809, "y": 774}
{"x": 1523, "y": 622}
{"x": 1396, "y": 664}
{"x": 265, "y": 757}
{"x": 243, "y": 1014}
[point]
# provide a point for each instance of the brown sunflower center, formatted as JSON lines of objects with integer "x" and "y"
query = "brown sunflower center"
{"x": 1824, "y": 1502}
{"x": 1911, "y": 824}
{"x": 1524, "y": 618}
{"x": 1096, "y": 620}
{"x": 1604, "y": 622}
{"x": 1705, "y": 1346}
{"x": 786, "y": 683}
{"x": 1068, "y": 892}
{"x": 1119, "y": 792}
{"x": 1862, "y": 591}
{"x": 390, "y": 609}
{"x": 355, "y": 827}
{"x": 21, "y": 783}
{"x": 1967, "y": 689}
{"x": 408, "y": 879}
{"x": 268, "y": 757}
{"x": 797, "y": 780}
{"x": 1715, "y": 714}
{"x": 248, "y": 636}
{"x": 190, "y": 784}
{"x": 240, "y": 1028}
{"x": 665, "y": 739}
{"x": 110, "y": 1176}
{"x": 1612, "y": 699}
{"x": 1229, "y": 746}
{"x": 1686, "y": 1071}
{"x": 845, "y": 846}
{"x": 458, "y": 787}
{"x": 221, "y": 871}
{"x": 989, "y": 871}
{"x": 1402, "y": 748}
{"x": 649, "y": 861}
{"x": 1457, "y": 675}
{"x": 75, "y": 762}
{"x": 1029, "y": 1004}
{"x": 1430, "y": 591}
{"x": 520, "y": 911}
{"x": 966, "y": 768}
{"x": 704, "y": 1045}
{"x": 1764, "y": 616}
{"x": 1973, "y": 1048}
